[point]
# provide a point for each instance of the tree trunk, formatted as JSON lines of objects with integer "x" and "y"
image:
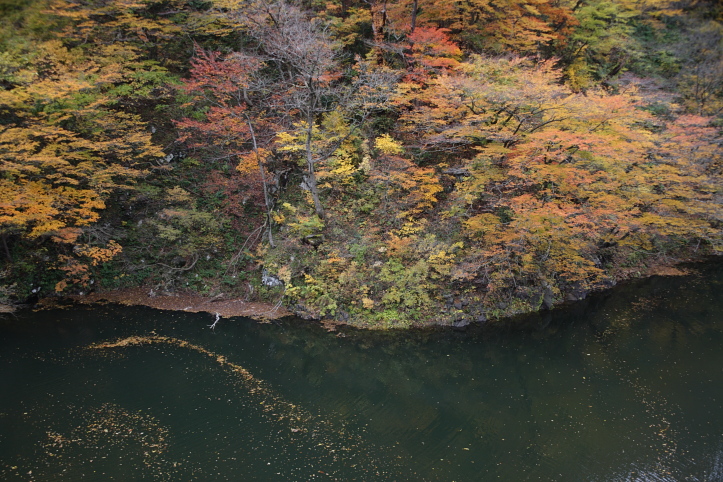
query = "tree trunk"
{"x": 415, "y": 7}
{"x": 267, "y": 198}
{"x": 5, "y": 247}
{"x": 379, "y": 21}
{"x": 311, "y": 177}
{"x": 311, "y": 183}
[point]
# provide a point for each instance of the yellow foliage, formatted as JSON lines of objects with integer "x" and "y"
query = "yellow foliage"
{"x": 338, "y": 170}
{"x": 410, "y": 228}
{"x": 278, "y": 217}
{"x": 441, "y": 262}
{"x": 288, "y": 207}
{"x": 178, "y": 195}
{"x": 290, "y": 142}
{"x": 284, "y": 274}
{"x": 100, "y": 254}
{"x": 387, "y": 145}
{"x": 248, "y": 163}
{"x": 68, "y": 146}
{"x": 578, "y": 74}
{"x": 482, "y": 224}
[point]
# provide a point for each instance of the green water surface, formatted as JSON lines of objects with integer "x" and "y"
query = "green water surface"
{"x": 627, "y": 386}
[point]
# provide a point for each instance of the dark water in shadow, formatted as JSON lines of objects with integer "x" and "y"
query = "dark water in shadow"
{"x": 625, "y": 387}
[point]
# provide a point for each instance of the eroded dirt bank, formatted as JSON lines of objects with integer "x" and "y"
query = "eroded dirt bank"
{"x": 186, "y": 302}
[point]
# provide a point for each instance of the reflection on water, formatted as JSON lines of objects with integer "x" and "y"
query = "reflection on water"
{"x": 625, "y": 387}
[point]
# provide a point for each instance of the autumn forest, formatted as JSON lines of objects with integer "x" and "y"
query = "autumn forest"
{"x": 384, "y": 163}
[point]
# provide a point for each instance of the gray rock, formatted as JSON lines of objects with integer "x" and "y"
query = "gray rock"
{"x": 548, "y": 299}
{"x": 456, "y": 171}
{"x": 270, "y": 279}
{"x": 461, "y": 324}
{"x": 578, "y": 292}
{"x": 313, "y": 239}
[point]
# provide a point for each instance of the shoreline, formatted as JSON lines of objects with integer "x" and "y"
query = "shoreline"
{"x": 258, "y": 311}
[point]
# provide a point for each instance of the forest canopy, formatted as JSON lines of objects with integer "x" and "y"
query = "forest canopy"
{"x": 381, "y": 163}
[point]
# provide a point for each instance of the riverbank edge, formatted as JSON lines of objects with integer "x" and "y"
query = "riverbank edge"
{"x": 232, "y": 307}
{"x": 265, "y": 312}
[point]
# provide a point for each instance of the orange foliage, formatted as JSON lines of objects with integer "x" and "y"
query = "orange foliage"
{"x": 559, "y": 187}
{"x": 520, "y": 26}
{"x": 413, "y": 189}
{"x": 77, "y": 268}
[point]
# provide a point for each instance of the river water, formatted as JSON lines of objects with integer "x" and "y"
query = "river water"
{"x": 626, "y": 386}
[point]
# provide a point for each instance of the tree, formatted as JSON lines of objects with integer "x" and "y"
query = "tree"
{"x": 554, "y": 187}
{"x": 309, "y": 87}
{"x": 66, "y": 144}
{"x": 483, "y": 102}
{"x": 230, "y": 126}
{"x": 700, "y": 80}
{"x": 525, "y": 27}
{"x": 307, "y": 62}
